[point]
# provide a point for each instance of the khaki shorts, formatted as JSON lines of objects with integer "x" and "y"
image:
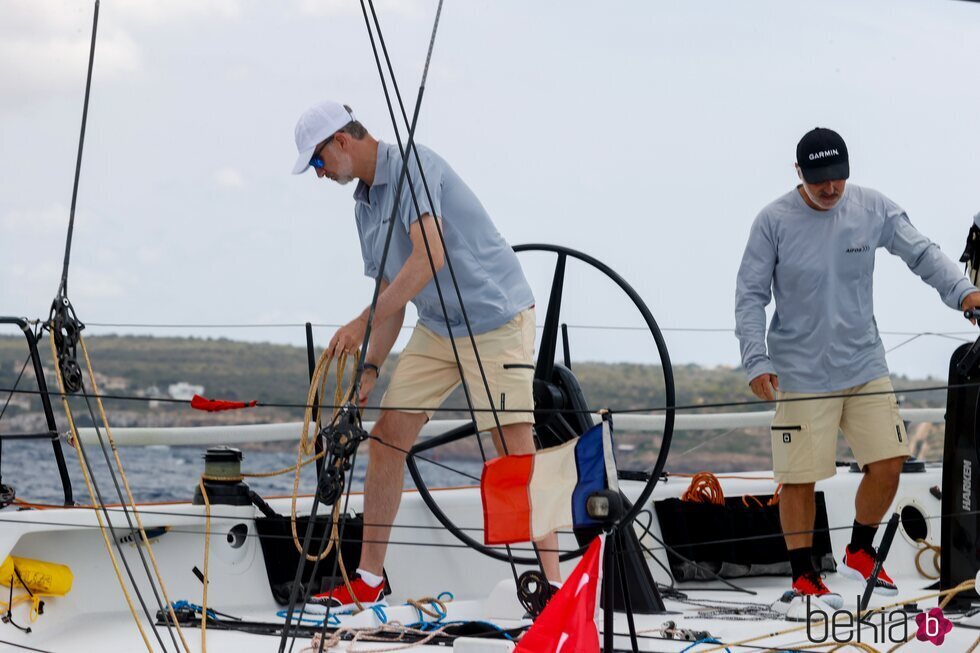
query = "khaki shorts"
{"x": 426, "y": 373}
{"x": 804, "y": 433}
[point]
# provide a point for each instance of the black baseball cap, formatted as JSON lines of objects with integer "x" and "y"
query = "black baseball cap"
{"x": 822, "y": 156}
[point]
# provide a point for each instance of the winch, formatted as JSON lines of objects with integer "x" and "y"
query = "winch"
{"x": 223, "y": 478}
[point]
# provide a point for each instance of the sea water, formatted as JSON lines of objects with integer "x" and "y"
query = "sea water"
{"x": 165, "y": 473}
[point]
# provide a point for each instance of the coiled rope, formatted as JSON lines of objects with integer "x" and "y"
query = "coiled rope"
{"x": 936, "y": 553}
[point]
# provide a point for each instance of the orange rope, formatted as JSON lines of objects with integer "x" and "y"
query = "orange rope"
{"x": 704, "y": 488}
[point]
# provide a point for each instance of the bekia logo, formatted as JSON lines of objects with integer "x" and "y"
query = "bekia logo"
{"x": 933, "y": 626}
{"x": 844, "y": 627}
{"x": 823, "y": 154}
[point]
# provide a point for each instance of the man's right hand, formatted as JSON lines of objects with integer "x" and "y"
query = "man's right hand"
{"x": 765, "y": 386}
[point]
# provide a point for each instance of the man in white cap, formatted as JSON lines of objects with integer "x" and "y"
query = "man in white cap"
{"x": 814, "y": 249}
{"x": 498, "y": 303}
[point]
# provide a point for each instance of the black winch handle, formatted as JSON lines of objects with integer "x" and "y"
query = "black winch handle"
{"x": 972, "y": 314}
{"x": 886, "y": 544}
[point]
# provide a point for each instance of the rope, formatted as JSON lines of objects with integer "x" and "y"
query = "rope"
{"x": 437, "y": 612}
{"x": 204, "y": 580}
{"x": 754, "y": 403}
{"x": 704, "y": 488}
{"x": 129, "y": 492}
{"x": 936, "y": 553}
{"x": 91, "y": 490}
{"x": 321, "y": 643}
{"x": 307, "y": 444}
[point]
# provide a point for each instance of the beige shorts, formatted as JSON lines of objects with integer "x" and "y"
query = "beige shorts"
{"x": 426, "y": 373}
{"x": 804, "y": 433}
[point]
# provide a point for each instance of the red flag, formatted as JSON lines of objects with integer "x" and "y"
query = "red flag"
{"x": 214, "y": 405}
{"x": 568, "y": 622}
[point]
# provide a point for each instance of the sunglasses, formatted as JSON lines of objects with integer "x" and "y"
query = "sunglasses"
{"x": 316, "y": 161}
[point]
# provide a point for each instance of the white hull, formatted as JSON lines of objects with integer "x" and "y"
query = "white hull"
{"x": 94, "y": 616}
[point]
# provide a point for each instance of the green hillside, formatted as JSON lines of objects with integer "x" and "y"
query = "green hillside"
{"x": 146, "y": 367}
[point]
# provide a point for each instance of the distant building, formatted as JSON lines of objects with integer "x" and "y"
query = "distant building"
{"x": 184, "y": 390}
{"x": 111, "y": 382}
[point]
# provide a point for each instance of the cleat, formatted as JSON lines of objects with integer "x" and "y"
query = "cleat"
{"x": 810, "y": 584}
{"x": 339, "y": 599}
{"x": 859, "y": 564}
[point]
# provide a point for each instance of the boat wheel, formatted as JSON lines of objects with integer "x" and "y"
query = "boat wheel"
{"x": 556, "y": 389}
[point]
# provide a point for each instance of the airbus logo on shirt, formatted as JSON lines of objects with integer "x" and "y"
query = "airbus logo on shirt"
{"x": 858, "y": 250}
{"x": 823, "y": 154}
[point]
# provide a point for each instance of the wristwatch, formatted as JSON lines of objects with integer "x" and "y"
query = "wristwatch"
{"x": 372, "y": 366}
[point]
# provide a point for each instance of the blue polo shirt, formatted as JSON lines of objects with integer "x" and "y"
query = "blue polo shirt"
{"x": 489, "y": 275}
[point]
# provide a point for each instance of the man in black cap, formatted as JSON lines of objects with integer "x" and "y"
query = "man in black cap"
{"x": 814, "y": 249}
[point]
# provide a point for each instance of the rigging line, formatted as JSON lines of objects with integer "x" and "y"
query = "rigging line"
{"x": 307, "y": 538}
{"x": 654, "y": 549}
{"x": 236, "y": 519}
{"x": 126, "y": 510}
{"x": 355, "y": 387}
{"x": 428, "y": 460}
{"x": 153, "y": 580}
{"x": 600, "y": 327}
{"x": 410, "y": 148}
{"x": 705, "y": 443}
{"x": 585, "y": 411}
{"x": 670, "y": 549}
{"x": 338, "y": 554}
{"x": 425, "y": 239}
{"x": 25, "y": 647}
{"x": 905, "y": 342}
{"x": 7, "y": 403}
{"x": 96, "y": 493}
{"x": 115, "y": 536}
{"x": 63, "y": 287}
{"x": 406, "y": 543}
{"x": 812, "y": 531}
{"x": 406, "y": 153}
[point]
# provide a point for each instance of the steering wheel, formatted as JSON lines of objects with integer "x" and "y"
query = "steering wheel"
{"x": 556, "y": 390}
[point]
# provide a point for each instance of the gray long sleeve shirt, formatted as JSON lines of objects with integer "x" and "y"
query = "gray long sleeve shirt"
{"x": 820, "y": 264}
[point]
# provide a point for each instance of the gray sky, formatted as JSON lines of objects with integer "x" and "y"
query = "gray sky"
{"x": 647, "y": 134}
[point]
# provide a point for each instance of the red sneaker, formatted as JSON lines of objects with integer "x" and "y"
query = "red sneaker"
{"x": 810, "y": 584}
{"x": 859, "y": 564}
{"x": 340, "y": 600}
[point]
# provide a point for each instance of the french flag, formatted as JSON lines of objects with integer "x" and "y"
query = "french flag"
{"x": 527, "y": 496}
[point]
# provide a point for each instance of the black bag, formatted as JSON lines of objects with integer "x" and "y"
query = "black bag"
{"x": 281, "y": 556}
{"x": 741, "y": 538}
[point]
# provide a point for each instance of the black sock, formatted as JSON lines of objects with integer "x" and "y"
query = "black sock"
{"x": 801, "y": 560}
{"x": 862, "y": 537}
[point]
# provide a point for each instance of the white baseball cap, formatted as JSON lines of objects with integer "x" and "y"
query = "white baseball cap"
{"x": 318, "y": 123}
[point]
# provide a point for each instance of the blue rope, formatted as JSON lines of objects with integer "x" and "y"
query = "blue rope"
{"x": 334, "y": 620}
{"x": 379, "y": 611}
{"x": 706, "y": 640}
{"x": 435, "y": 606}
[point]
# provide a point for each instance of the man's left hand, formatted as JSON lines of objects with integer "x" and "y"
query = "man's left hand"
{"x": 971, "y": 301}
{"x": 350, "y": 336}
